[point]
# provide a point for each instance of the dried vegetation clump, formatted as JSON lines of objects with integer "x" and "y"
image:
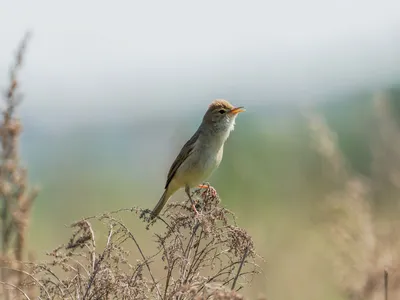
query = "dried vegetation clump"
{"x": 208, "y": 257}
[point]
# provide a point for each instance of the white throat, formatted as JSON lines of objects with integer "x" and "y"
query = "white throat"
{"x": 222, "y": 135}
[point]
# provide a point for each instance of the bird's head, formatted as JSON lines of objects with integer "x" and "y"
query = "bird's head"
{"x": 221, "y": 115}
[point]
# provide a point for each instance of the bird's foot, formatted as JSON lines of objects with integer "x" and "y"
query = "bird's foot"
{"x": 208, "y": 188}
{"x": 203, "y": 186}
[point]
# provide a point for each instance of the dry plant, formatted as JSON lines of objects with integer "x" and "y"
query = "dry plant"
{"x": 208, "y": 257}
{"x": 16, "y": 197}
{"x": 345, "y": 212}
{"x": 364, "y": 245}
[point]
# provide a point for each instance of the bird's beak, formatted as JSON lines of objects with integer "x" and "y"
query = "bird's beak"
{"x": 237, "y": 110}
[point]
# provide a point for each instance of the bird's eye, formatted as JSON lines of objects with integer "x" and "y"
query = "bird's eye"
{"x": 221, "y": 111}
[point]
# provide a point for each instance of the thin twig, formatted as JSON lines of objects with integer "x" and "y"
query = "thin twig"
{"x": 386, "y": 280}
{"x": 31, "y": 276}
{"x": 240, "y": 267}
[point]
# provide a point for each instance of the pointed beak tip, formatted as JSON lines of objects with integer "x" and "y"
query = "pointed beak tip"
{"x": 237, "y": 110}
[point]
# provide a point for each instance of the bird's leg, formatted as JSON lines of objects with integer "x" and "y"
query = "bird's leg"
{"x": 187, "y": 190}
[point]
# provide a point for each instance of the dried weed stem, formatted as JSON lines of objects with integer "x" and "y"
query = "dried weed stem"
{"x": 16, "y": 197}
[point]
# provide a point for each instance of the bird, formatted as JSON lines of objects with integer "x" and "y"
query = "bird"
{"x": 201, "y": 154}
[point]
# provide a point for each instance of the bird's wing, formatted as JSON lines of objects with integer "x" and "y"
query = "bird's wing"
{"x": 186, "y": 150}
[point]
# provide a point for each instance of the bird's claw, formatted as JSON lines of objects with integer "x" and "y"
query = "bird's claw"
{"x": 209, "y": 188}
{"x": 203, "y": 186}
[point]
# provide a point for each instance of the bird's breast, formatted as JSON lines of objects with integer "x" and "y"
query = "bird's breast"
{"x": 212, "y": 158}
{"x": 199, "y": 165}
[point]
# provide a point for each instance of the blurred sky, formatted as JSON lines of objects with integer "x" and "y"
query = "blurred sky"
{"x": 91, "y": 59}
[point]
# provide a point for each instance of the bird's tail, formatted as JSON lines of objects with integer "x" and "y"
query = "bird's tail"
{"x": 161, "y": 203}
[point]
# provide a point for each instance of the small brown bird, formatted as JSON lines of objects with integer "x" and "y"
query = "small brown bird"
{"x": 202, "y": 154}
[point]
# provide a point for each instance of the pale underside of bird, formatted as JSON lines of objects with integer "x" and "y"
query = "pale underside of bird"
{"x": 202, "y": 153}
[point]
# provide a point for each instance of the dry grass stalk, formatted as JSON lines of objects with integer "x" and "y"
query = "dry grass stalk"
{"x": 386, "y": 281}
{"x": 346, "y": 213}
{"x": 16, "y": 197}
{"x": 364, "y": 243}
{"x": 386, "y": 150}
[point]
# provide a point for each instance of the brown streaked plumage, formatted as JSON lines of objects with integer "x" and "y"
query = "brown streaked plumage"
{"x": 202, "y": 153}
